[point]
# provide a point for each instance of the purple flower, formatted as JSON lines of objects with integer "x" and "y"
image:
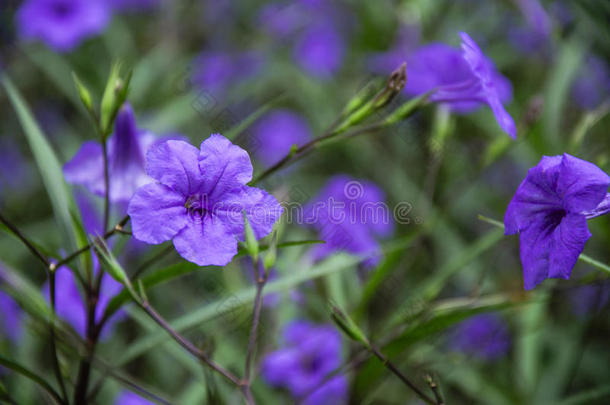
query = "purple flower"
{"x": 199, "y": 198}
{"x": 126, "y": 151}
{"x": 592, "y": 83}
{"x": 277, "y": 132}
{"x": 550, "y": 211}
{"x": 485, "y": 336}
{"x": 320, "y": 49}
{"x": 347, "y": 215}
{"x": 129, "y": 398}
{"x": 70, "y": 303}
{"x": 62, "y": 24}
{"x": 462, "y": 80}
{"x": 134, "y": 5}
{"x": 281, "y": 19}
{"x": 589, "y": 299}
{"x": 214, "y": 71}
{"x": 310, "y": 352}
{"x": 10, "y": 321}
{"x": 13, "y": 167}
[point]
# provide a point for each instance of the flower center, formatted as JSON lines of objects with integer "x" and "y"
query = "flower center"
{"x": 61, "y": 9}
{"x": 311, "y": 363}
{"x": 196, "y": 207}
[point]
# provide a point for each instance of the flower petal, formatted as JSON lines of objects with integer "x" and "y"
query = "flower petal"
{"x": 262, "y": 210}
{"x": 535, "y": 243}
{"x": 582, "y": 184}
{"x": 569, "y": 240}
{"x": 206, "y": 241}
{"x": 226, "y": 167}
{"x": 86, "y": 168}
{"x": 503, "y": 118}
{"x": 535, "y": 197}
{"x": 157, "y": 213}
{"x": 174, "y": 164}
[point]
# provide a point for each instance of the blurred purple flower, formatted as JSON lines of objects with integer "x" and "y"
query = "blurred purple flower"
{"x": 71, "y": 305}
{"x": 10, "y": 321}
{"x": 13, "y": 167}
{"x": 347, "y": 213}
{"x": 134, "y": 5}
{"x": 282, "y": 19}
{"x": 199, "y": 198}
{"x": 532, "y": 37}
{"x": 129, "y": 398}
{"x": 550, "y": 210}
{"x": 62, "y": 24}
{"x": 464, "y": 80}
{"x": 589, "y": 299}
{"x": 320, "y": 49}
{"x": 126, "y": 152}
{"x": 214, "y": 71}
{"x": 592, "y": 84}
{"x": 485, "y": 336}
{"x": 309, "y": 354}
{"x": 277, "y": 132}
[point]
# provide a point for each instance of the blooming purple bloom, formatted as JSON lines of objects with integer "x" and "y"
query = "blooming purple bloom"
{"x": 485, "y": 336}
{"x": 347, "y": 213}
{"x": 550, "y": 211}
{"x": 277, "y": 132}
{"x": 13, "y": 167}
{"x": 10, "y": 321}
{"x": 62, "y": 24}
{"x": 126, "y": 151}
{"x": 199, "y": 198}
{"x": 464, "y": 80}
{"x": 320, "y": 49}
{"x": 310, "y": 352}
{"x": 592, "y": 84}
{"x": 129, "y": 398}
{"x": 282, "y": 19}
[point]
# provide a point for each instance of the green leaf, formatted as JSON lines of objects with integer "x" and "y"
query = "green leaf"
{"x": 241, "y": 298}
{"x": 48, "y": 164}
{"x": 32, "y": 376}
{"x": 587, "y": 397}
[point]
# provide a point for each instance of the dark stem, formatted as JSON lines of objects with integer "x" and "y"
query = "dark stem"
{"x": 261, "y": 280}
{"x": 25, "y": 241}
{"x": 182, "y": 341}
{"x": 302, "y": 151}
{"x": 92, "y": 332}
{"x": 144, "y": 266}
{"x": 56, "y": 367}
{"x": 106, "y": 186}
{"x": 390, "y": 366}
{"x": 434, "y": 387}
{"x": 84, "y": 249}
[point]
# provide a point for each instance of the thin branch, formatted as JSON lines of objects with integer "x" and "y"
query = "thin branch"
{"x": 390, "y": 366}
{"x": 56, "y": 368}
{"x": 302, "y": 151}
{"x": 434, "y": 387}
{"x": 106, "y": 184}
{"x": 144, "y": 266}
{"x": 186, "y": 344}
{"x": 86, "y": 248}
{"x": 261, "y": 280}
{"x": 25, "y": 241}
